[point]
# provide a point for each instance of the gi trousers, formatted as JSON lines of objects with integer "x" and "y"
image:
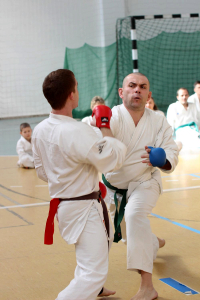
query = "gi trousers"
{"x": 92, "y": 261}
{"x": 26, "y": 161}
{"x": 142, "y": 244}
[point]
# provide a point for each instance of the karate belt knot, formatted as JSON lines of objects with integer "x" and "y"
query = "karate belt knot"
{"x": 118, "y": 215}
{"x": 49, "y": 229}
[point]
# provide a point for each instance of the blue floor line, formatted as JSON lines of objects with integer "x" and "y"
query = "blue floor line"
{"x": 176, "y": 223}
{"x": 194, "y": 175}
{"x": 179, "y": 286}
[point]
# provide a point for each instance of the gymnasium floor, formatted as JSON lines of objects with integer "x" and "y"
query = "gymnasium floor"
{"x": 31, "y": 270}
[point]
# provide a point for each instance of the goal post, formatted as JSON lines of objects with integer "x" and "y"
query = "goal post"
{"x": 166, "y": 48}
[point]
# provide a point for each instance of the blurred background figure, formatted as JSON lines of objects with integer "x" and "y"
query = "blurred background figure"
{"x": 183, "y": 117}
{"x": 195, "y": 98}
{"x": 152, "y": 105}
{"x": 97, "y": 100}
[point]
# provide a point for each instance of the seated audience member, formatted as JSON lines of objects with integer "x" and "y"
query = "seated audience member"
{"x": 97, "y": 100}
{"x": 195, "y": 98}
{"x": 183, "y": 117}
{"x": 24, "y": 147}
{"x": 151, "y": 105}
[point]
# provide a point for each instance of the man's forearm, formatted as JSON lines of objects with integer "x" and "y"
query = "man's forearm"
{"x": 106, "y": 132}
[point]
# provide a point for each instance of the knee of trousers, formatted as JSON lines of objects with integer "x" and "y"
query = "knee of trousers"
{"x": 135, "y": 215}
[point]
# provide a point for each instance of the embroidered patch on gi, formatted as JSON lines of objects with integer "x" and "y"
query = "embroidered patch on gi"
{"x": 100, "y": 148}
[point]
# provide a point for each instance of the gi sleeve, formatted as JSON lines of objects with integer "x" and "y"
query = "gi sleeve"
{"x": 107, "y": 154}
{"x": 171, "y": 116}
{"x": 38, "y": 164}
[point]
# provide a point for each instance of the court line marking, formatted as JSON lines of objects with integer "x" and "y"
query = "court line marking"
{"x": 172, "y": 180}
{"x": 155, "y": 215}
{"x": 47, "y": 202}
{"x": 14, "y": 186}
{"x": 178, "y": 175}
{"x": 182, "y": 189}
{"x": 16, "y": 214}
{"x": 194, "y": 175}
{"x": 25, "y": 205}
{"x": 176, "y": 223}
{"x": 2, "y": 186}
{"x": 9, "y": 199}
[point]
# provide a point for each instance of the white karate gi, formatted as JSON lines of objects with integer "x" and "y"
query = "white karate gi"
{"x": 194, "y": 99}
{"x": 24, "y": 150}
{"x": 88, "y": 121}
{"x": 142, "y": 181}
{"x": 159, "y": 112}
{"x": 177, "y": 116}
{"x": 68, "y": 154}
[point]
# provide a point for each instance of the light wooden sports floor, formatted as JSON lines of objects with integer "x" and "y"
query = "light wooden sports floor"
{"x": 30, "y": 270}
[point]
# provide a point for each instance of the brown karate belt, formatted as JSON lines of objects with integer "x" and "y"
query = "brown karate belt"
{"x": 49, "y": 229}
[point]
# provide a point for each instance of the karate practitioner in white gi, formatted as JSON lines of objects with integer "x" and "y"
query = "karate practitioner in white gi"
{"x": 24, "y": 147}
{"x": 138, "y": 127}
{"x": 181, "y": 115}
{"x": 68, "y": 155}
{"x": 195, "y": 98}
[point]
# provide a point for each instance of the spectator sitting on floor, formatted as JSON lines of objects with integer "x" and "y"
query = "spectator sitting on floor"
{"x": 24, "y": 147}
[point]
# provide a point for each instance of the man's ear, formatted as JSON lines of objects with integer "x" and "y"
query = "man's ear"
{"x": 71, "y": 96}
{"x": 120, "y": 91}
{"x": 20, "y": 132}
{"x": 149, "y": 96}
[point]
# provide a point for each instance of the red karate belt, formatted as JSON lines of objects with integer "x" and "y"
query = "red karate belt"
{"x": 49, "y": 229}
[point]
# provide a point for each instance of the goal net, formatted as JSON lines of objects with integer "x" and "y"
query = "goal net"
{"x": 164, "y": 48}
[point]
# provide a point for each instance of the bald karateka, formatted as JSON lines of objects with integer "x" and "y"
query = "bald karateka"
{"x": 183, "y": 117}
{"x": 137, "y": 180}
{"x": 68, "y": 155}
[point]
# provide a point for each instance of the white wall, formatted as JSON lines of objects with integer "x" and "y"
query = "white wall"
{"x": 33, "y": 38}
{"x": 34, "y": 34}
{"x": 161, "y": 7}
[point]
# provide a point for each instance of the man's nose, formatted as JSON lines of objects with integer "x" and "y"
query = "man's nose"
{"x": 137, "y": 89}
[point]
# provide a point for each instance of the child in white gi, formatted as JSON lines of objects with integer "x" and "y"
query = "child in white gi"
{"x": 24, "y": 147}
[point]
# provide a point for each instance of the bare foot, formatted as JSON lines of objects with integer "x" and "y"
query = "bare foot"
{"x": 161, "y": 242}
{"x": 106, "y": 292}
{"x": 147, "y": 294}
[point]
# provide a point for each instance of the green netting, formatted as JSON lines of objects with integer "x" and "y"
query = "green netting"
{"x": 124, "y": 54}
{"x": 168, "y": 54}
{"x": 95, "y": 71}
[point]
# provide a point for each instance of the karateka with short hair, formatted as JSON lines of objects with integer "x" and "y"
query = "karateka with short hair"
{"x": 183, "y": 117}
{"x": 138, "y": 181}
{"x": 24, "y": 147}
{"x": 68, "y": 155}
